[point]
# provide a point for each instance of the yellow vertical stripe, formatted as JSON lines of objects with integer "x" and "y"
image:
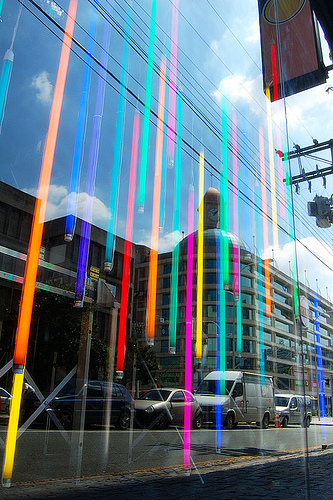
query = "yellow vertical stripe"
{"x": 12, "y": 428}
{"x": 200, "y": 257}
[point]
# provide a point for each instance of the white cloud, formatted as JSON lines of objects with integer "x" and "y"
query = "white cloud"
{"x": 238, "y": 89}
{"x": 165, "y": 242}
{"x": 253, "y": 33}
{"x": 56, "y": 9}
{"x": 312, "y": 111}
{"x": 43, "y": 86}
{"x": 57, "y": 204}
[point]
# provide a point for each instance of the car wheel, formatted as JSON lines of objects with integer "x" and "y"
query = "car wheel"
{"x": 229, "y": 421}
{"x": 284, "y": 422}
{"x": 265, "y": 421}
{"x": 307, "y": 421}
{"x": 161, "y": 422}
{"x": 65, "y": 417}
{"x": 197, "y": 422}
{"x": 124, "y": 420}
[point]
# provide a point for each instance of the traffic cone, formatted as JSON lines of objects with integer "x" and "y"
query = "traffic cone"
{"x": 277, "y": 421}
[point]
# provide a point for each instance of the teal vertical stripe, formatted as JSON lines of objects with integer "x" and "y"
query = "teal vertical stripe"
{"x": 176, "y": 231}
{"x": 146, "y": 116}
{"x": 4, "y": 81}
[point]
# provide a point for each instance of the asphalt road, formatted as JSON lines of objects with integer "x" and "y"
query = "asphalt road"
{"x": 42, "y": 455}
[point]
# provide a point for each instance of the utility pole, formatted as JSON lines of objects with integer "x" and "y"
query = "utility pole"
{"x": 321, "y": 206}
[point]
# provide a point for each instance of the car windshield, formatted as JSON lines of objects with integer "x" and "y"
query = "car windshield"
{"x": 281, "y": 401}
{"x": 213, "y": 387}
{"x": 156, "y": 395}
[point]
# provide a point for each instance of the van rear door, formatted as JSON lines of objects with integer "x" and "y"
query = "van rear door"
{"x": 252, "y": 397}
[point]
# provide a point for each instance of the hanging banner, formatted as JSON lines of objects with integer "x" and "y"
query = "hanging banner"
{"x": 290, "y": 47}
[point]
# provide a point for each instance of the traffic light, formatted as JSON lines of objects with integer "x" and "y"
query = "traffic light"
{"x": 320, "y": 208}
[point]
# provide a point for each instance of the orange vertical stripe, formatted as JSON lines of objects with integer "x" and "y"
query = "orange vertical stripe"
{"x": 152, "y": 282}
{"x": 30, "y": 275}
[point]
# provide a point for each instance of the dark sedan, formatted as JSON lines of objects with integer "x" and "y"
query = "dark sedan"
{"x": 103, "y": 407}
{"x": 159, "y": 408}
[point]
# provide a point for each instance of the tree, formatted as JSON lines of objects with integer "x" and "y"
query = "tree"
{"x": 147, "y": 365}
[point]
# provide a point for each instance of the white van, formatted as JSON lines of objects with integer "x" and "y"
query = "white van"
{"x": 239, "y": 396}
{"x": 290, "y": 409}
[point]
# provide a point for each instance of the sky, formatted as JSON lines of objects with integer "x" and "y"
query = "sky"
{"x": 216, "y": 46}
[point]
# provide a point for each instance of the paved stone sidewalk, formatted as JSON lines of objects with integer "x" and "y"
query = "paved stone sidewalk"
{"x": 260, "y": 478}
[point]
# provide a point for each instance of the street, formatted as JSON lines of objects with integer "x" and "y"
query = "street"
{"x": 46, "y": 455}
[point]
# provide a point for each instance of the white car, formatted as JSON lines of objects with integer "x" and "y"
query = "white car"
{"x": 158, "y": 408}
{"x": 5, "y": 401}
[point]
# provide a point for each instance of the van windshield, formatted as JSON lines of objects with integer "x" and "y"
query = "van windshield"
{"x": 212, "y": 387}
{"x": 281, "y": 401}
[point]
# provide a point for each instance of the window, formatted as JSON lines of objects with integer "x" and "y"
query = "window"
{"x": 167, "y": 269}
{"x": 246, "y": 298}
{"x": 209, "y": 263}
{"x": 280, "y": 298}
{"x": 178, "y": 397}
{"x": 14, "y": 226}
{"x": 283, "y": 383}
{"x": 165, "y": 313}
{"x": 248, "y": 364}
{"x": 229, "y": 345}
{"x": 209, "y": 278}
{"x": 281, "y": 286}
{"x": 166, "y": 300}
{"x": 267, "y": 336}
{"x": 246, "y": 313}
{"x": 211, "y": 344}
{"x": 230, "y": 312}
{"x": 247, "y": 346}
{"x": 281, "y": 312}
{"x": 210, "y": 295}
{"x": 283, "y": 354}
{"x": 282, "y": 340}
{"x": 245, "y": 281}
{"x": 210, "y": 311}
{"x": 281, "y": 368}
{"x": 267, "y": 320}
{"x": 166, "y": 282}
{"x": 247, "y": 330}
{"x": 282, "y": 326}
{"x": 238, "y": 390}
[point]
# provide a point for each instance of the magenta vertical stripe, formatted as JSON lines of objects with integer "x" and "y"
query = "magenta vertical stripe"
{"x": 235, "y": 203}
{"x": 188, "y": 331}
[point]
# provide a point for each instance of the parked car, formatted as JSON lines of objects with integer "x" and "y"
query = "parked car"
{"x": 98, "y": 400}
{"x": 5, "y": 398}
{"x": 237, "y": 397}
{"x": 290, "y": 409}
{"x": 159, "y": 408}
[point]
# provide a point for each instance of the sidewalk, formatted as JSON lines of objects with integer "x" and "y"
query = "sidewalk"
{"x": 322, "y": 421}
{"x": 258, "y": 478}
